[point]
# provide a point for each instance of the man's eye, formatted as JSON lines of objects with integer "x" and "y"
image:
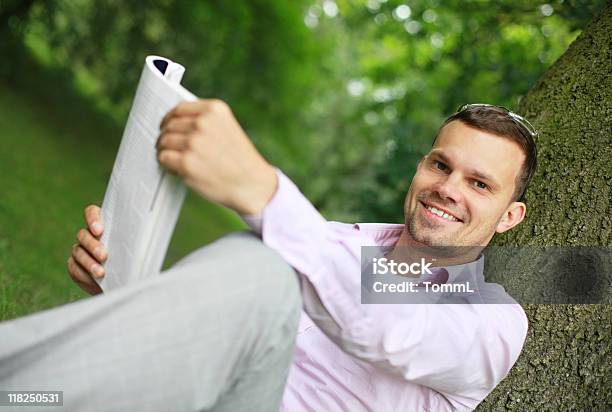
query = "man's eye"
{"x": 480, "y": 184}
{"x": 440, "y": 166}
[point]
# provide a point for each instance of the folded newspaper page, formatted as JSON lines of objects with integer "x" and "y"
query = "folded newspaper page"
{"x": 142, "y": 200}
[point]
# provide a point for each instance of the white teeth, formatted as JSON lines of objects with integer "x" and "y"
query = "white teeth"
{"x": 441, "y": 214}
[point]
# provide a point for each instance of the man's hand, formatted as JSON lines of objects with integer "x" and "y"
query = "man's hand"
{"x": 88, "y": 253}
{"x": 203, "y": 142}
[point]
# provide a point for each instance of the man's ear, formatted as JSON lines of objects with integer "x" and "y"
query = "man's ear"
{"x": 514, "y": 214}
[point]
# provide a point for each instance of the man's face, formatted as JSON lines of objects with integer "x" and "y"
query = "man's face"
{"x": 468, "y": 176}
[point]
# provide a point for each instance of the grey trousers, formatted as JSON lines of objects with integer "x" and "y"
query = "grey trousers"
{"x": 214, "y": 332}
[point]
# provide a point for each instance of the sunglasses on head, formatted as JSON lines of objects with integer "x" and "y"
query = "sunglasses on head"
{"x": 520, "y": 120}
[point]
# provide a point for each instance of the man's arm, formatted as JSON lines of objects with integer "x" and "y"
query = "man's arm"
{"x": 203, "y": 143}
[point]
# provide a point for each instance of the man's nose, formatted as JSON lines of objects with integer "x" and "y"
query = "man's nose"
{"x": 449, "y": 188}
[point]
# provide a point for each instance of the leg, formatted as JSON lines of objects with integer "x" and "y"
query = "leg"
{"x": 217, "y": 329}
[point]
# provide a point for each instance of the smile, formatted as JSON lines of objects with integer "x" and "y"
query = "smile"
{"x": 441, "y": 213}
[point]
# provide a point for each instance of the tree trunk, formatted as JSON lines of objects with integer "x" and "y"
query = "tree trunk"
{"x": 566, "y": 363}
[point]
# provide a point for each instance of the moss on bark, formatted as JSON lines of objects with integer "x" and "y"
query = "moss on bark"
{"x": 567, "y": 363}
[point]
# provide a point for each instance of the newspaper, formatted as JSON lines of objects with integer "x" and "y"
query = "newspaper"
{"x": 142, "y": 200}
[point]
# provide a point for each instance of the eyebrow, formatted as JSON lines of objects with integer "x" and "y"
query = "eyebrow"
{"x": 473, "y": 172}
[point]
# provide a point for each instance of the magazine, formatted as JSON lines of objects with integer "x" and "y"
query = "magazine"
{"x": 143, "y": 200}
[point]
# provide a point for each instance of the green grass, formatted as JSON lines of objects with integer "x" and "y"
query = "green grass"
{"x": 56, "y": 153}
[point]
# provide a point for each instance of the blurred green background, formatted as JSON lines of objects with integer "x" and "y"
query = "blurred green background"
{"x": 344, "y": 96}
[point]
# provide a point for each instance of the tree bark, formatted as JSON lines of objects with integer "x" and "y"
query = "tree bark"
{"x": 566, "y": 363}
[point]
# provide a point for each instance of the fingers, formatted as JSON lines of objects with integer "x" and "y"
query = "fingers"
{"x": 92, "y": 245}
{"x": 172, "y": 160}
{"x": 173, "y": 141}
{"x": 94, "y": 220}
{"x": 88, "y": 263}
{"x": 179, "y": 125}
{"x": 82, "y": 278}
{"x": 195, "y": 108}
{"x": 183, "y": 109}
{"x": 86, "y": 256}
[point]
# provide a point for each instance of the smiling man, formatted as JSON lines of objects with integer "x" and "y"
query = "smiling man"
{"x": 469, "y": 185}
{"x": 237, "y": 305}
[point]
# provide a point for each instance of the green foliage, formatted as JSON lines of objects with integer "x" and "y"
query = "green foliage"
{"x": 344, "y": 96}
{"x": 401, "y": 67}
{"x": 257, "y": 55}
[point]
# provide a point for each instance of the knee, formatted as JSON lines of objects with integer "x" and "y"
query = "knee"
{"x": 241, "y": 257}
{"x": 276, "y": 281}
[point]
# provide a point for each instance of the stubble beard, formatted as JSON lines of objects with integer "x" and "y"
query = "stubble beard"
{"x": 429, "y": 234}
{"x": 425, "y": 233}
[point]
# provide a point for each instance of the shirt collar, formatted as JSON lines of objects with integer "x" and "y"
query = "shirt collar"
{"x": 384, "y": 234}
{"x": 387, "y": 234}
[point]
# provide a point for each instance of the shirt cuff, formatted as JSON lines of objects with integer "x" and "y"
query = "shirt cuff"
{"x": 254, "y": 222}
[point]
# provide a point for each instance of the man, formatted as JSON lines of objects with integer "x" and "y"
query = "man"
{"x": 347, "y": 355}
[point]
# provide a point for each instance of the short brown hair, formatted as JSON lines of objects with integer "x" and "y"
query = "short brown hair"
{"x": 499, "y": 121}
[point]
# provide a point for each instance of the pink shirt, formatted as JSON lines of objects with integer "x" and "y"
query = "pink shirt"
{"x": 380, "y": 357}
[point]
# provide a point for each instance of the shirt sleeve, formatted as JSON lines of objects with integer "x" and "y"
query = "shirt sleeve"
{"x": 254, "y": 222}
{"x": 463, "y": 350}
